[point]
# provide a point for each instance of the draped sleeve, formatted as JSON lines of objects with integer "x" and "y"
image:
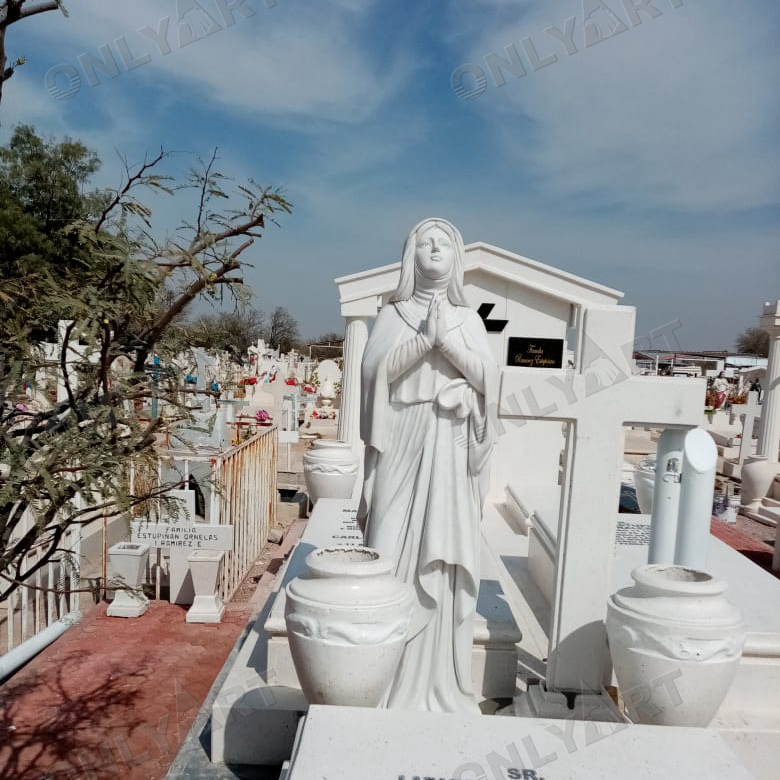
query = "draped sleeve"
{"x": 388, "y": 331}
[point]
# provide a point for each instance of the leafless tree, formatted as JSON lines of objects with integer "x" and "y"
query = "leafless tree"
{"x": 753, "y": 341}
{"x": 11, "y": 12}
{"x": 283, "y": 330}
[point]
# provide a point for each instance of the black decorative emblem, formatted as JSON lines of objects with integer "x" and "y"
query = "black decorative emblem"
{"x": 492, "y": 326}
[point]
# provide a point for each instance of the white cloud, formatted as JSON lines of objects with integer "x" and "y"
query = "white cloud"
{"x": 675, "y": 112}
{"x": 283, "y": 61}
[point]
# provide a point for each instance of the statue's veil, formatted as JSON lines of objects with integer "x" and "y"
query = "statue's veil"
{"x": 406, "y": 284}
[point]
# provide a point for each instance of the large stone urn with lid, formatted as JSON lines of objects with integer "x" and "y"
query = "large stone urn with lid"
{"x": 675, "y": 643}
{"x": 347, "y": 620}
{"x": 330, "y": 469}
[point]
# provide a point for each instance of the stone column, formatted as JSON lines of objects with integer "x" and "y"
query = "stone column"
{"x": 769, "y": 432}
{"x": 700, "y": 458}
{"x": 354, "y": 346}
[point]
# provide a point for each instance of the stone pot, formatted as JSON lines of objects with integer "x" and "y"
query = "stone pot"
{"x": 207, "y": 606}
{"x": 676, "y": 643}
{"x": 644, "y": 481}
{"x": 720, "y": 505}
{"x": 757, "y": 476}
{"x": 733, "y": 509}
{"x": 330, "y": 469}
{"x": 347, "y": 619}
{"x": 127, "y": 568}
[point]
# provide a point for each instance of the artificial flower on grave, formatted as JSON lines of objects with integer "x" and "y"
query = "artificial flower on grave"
{"x": 323, "y": 414}
{"x": 291, "y": 380}
{"x": 314, "y": 379}
{"x": 309, "y": 388}
{"x": 737, "y": 398}
{"x": 262, "y": 416}
{"x": 249, "y": 380}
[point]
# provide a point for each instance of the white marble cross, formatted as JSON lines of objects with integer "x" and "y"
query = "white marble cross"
{"x": 597, "y": 402}
{"x": 203, "y": 362}
{"x": 749, "y": 412}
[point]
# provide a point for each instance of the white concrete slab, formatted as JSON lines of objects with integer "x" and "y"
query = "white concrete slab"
{"x": 433, "y": 746}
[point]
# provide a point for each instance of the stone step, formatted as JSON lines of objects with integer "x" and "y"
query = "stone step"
{"x": 770, "y": 513}
{"x": 516, "y": 511}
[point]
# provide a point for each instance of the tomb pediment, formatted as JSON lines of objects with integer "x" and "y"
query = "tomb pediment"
{"x": 484, "y": 261}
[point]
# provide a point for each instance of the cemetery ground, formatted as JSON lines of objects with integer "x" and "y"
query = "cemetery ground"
{"x": 117, "y": 697}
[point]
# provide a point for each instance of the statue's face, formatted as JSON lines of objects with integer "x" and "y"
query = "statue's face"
{"x": 434, "y": 255}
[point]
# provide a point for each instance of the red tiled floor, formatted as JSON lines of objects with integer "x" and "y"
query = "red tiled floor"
{"x": 758, "y": 552}
{"x": 112, "y": 698}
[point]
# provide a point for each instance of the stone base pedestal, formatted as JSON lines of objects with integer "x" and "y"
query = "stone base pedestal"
{"x": 128, "y": 604}
{"x": 206, "y": 609}
{"x": 537, "y": 702}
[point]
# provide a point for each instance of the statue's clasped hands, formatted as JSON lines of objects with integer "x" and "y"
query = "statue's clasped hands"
{"x": 435, "y": 326}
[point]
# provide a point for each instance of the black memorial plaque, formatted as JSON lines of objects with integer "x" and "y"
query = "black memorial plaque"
{"x": 535, "y": 353}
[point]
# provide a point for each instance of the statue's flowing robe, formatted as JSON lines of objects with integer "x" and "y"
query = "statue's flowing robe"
{"x": 428, "y": 437}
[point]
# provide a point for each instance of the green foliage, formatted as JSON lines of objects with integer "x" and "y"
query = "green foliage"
{"x": 87, "y": 258}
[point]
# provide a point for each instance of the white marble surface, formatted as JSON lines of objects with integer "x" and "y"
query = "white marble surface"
{"x": 410, "y": 745}
{"x": 429, "y": 434}
{"x": 496, "y": 630}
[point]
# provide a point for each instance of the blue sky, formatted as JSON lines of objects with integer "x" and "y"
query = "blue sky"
{"x": 647, "y": 160}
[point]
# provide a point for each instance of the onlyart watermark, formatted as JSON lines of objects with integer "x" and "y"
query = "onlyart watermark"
{"x": 599, "y": 22}
{"x": 193, "y": 22}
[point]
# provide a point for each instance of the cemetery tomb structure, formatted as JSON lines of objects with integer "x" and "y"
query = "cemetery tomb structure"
{"x": 552, "y": 551}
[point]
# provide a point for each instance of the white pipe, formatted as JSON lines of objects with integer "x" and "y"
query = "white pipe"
{"x": 19, "y": 656}
{"x": 700, "y": 456}
{"x": 666, "y": 496}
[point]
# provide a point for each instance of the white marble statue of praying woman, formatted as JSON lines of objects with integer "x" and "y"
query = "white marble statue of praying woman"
{"x": 427, "y": 370}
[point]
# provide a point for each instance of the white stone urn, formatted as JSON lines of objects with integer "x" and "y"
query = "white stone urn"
{"x": 330, "y": 469}
{"x": 126, "y": 569}
{"x": 757, "y": 476}
{"x": 207, "y": 606}
{"x": 347, "y": 620}
{"x": 644, "y": 481}
{"x": 327, "y": 393}
{"x": 675, "y": 643}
